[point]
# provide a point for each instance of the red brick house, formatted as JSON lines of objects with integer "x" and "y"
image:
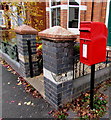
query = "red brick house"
{"x": 69, "y": 13}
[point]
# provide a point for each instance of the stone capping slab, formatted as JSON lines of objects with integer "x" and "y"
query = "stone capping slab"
{"x": 25, "y": 29}
{"x": 57, "y": 33}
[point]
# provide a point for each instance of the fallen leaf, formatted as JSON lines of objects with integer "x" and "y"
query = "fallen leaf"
{"x": 19, "y": 83}
{"x": 25, "y": 103}
{"x": 8, "y": 83}
{"x": 32, "y": 104}
{"x": 50, "y": 112}
{"x": 28, "y": 103}
{"x": 19, "y": 103}
{"x": 9, "y": 69}
{"x": 13, "y": 72}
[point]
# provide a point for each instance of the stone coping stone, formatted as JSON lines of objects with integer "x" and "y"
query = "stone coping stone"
{"x": 25, "y": 29}
{"x": 57, "y": 33}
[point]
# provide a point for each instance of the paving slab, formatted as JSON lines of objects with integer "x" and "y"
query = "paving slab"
{"x": 14, "y": 98}
{"x": 38, "y": 83}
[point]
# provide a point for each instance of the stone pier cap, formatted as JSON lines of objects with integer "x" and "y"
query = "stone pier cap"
{"x": 57, "y": 33}
{"x": 25, "y": 30}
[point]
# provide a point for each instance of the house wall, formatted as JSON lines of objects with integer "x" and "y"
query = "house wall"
{"x": 95, "y": 12}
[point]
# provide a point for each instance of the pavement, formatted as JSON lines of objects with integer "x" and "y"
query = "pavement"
{"x": 14, "y": 99}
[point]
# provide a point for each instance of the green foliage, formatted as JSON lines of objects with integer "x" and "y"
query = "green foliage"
{"x": 28, "y": 12}
{"x": 99, "y": 106}
{"x": 76, "y": 49}
{"x": 61, "y": 115}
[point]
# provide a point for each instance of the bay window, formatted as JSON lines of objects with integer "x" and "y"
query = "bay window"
{"x": 73, "y": 18}
{"x": 55, "y": 13}
{"x": 72, "y": 11}
{"x": 55, "y": 16}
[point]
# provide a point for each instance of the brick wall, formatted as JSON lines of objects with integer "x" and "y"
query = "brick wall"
{"x": 47, "y": 16}
{"x": 91, "y": 14}
{"x": 88, "y": 11}
{"x": 103, "y": 12}
{"x": 82, "y": 13}
{"x": 58, "y": 65}
{"x": 26, "y": 44}
{"x": 97, "y": 11}
{"x": 58, "y": 44}
{"x": 63, "y": 18}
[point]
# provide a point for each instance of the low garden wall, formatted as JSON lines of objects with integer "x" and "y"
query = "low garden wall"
{"x": 63, "y": 78}
{"x": 82, "y": 84}
{"x": 61, "y": 67}
{"x": 22, "y": 54}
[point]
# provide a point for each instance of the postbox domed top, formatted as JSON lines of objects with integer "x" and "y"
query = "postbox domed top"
{"x": 57, "y": 33}
{"x": 25, "y": 29}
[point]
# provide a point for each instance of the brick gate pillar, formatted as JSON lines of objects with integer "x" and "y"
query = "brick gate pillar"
{"x": 58, "y": 44}
{"x": 26, "y": 44}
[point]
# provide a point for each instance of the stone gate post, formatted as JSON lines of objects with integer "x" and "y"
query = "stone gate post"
{"x": 58, "y": 44}
{"x": 26, "y": 44}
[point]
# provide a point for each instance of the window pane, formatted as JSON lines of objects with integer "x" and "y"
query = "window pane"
{"x": 20, "y": 19}
{"x": 0, "y": 14}
{"x": 73, "y": 2}
{"x": 1, "y": 18}
{"x": 55, "y": 2}
{"x": 58, "y": 16}
{"x": 1, "y": 21}
{"x": 73, "y": 17}
{"x": 55, "y": 16}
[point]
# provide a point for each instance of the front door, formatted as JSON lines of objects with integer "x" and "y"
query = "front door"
{"x": 109, "y": 26}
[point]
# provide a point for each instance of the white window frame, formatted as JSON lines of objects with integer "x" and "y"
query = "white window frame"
{"x": 81, "y": 7}
{"x": 15, "y": 23}
{"x": 3, "y": 19}
{"x": 107, "y": 12}
{"x": 74, "y": 30}
{"x": 23, "y": 11}
{"x": 13, "y": 18}
{"x": 50, "y": 14}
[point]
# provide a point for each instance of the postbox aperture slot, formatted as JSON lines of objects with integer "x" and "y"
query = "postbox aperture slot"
{"x": 85, "y": 29}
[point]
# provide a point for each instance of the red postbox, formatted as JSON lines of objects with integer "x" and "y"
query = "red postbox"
{"x": 93, "y": 39}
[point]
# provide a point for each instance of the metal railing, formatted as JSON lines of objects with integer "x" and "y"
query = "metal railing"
{"x": 80, "y": 69}
{"x": 9, "y": 49}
